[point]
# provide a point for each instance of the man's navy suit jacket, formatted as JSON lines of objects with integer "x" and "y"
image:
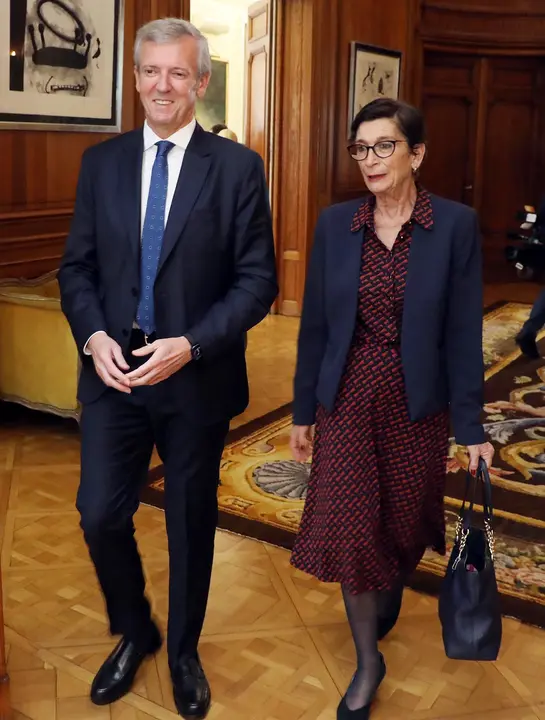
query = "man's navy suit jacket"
{"x": 216, "y": 277}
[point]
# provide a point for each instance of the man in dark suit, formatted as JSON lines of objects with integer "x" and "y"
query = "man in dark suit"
{"x": 169, "y": 261}
{"x": 527, "y": 337}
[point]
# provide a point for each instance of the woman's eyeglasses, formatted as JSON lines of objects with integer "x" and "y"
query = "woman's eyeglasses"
{"x": 382, "y": 149}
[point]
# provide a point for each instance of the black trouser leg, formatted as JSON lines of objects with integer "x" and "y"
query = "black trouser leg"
{"x": 192, "y": 458}
{"x": 116, "y": 446}
{"x": 537, "y": 317}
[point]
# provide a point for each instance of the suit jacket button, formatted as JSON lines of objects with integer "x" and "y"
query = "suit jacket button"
{"x": 134, "y": 292}
{"x": 125, "y": 333}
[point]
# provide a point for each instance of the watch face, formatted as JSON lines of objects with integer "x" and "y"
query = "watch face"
{"x": 196, "y": 352}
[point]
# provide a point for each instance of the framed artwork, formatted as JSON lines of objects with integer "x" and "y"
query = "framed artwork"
{"x": 61, "y": 64}
{"x": 374, "y": 73}
{"x": 212, "y": 109}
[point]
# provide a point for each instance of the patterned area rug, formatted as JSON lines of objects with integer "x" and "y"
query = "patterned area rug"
{"x": 263, "y": 489}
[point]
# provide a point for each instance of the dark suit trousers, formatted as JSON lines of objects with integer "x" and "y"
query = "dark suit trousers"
{"x": 118, "y": 432}
{"x": 537, "y": 317}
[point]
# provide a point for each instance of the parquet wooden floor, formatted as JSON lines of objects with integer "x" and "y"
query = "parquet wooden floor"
{"x": 276, "y": 645}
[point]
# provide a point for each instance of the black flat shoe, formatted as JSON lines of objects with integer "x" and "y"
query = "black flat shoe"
{"x": 344, "y": 712}
{"x": 116, "y": 676}
{"x": 527, "y": 344}
{"x": 191, "y": 690}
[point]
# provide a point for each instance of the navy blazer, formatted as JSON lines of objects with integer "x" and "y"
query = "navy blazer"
{"x": 216, "y": 277}
{"x": 441, "y": 333}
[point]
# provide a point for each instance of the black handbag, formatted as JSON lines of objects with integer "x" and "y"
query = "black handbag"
{"x": 469, "y": 601}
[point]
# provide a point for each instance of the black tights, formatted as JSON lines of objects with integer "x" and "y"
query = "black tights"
{"x": 363, "y": 611}
{"x": 389, "y": 601}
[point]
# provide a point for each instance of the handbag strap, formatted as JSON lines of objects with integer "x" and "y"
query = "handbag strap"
{"x": 487, "y": 490}
{"x": 482, "y": 477}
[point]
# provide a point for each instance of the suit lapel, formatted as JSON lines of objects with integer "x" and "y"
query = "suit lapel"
{"x": 348, "y": 272}
{"x": 195, "y": 167}
{"x": 130, "y": 189}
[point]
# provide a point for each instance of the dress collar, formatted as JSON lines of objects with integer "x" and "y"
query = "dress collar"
{"x": 422, "y": 212}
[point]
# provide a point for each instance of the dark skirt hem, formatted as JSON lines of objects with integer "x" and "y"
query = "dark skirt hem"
{"x": 357, "y": 584}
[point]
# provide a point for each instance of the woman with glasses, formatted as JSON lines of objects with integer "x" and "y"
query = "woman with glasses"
{"x": 389, "y": 352}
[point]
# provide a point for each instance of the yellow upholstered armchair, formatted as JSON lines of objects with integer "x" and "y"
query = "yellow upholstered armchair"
{"x": 39, "y": 362}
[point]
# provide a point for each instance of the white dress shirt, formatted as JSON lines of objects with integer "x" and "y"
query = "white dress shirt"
{"x": 175, "y": 159}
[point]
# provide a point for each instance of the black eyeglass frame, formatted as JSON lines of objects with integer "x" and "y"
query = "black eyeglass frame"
{"x": 394, "y": 144}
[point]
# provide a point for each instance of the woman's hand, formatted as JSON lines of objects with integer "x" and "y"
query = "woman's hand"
{"x": 301, "y": 440}
{"x": 484, "y": 451}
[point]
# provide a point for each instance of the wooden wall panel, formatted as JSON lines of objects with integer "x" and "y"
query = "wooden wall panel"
{"x": 313, "y": 167}
{"x": 293, "y": 171}
{"x": 31, "y": 241}
{"x": 40, "y": 168}
{"x": 450, "y": 100}
{"x": 381, "y": 23}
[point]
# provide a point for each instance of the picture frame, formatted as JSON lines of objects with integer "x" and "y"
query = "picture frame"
{"x": 213, "y": 109}
{"x": 62, "y": 65}
{"x": 374, "y": 72}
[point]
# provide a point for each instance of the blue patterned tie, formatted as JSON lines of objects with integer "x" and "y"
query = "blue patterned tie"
{"x": 152, "y": 236}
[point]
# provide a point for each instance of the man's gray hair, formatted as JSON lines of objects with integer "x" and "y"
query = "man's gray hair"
{"x": 167, "y": 30}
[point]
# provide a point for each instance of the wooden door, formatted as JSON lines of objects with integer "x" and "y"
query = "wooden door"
{"x": 485, "y": 122}
{"x": 450, "y": 106}
{"x": 259, "y": 80}
{"x": 512, "y": 157}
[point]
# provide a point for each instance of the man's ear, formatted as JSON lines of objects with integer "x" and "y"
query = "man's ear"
{"x": 202, "y": 84}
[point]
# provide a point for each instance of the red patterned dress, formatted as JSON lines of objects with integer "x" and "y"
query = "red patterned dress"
{"x": 375, "y": 495}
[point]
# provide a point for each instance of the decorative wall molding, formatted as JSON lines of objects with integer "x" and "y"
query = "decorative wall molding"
{"x": 502, "y": 24}
{"x": 32, "y": 241}
{"x": 535, "y": 9}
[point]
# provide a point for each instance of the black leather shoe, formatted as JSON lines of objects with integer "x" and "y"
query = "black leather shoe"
{"x": 527, "y": 344}
{"x": 116, "y": 676}
{"x": 191, "y": 690}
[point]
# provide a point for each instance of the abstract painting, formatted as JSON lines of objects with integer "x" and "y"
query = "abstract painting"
{"x": 374, "y": 73}
{"x": 212, "y": 109}
{"x": 62, "y": 64}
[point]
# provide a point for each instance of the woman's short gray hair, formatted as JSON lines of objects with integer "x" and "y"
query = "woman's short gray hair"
{"x": 168, "y": 30}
